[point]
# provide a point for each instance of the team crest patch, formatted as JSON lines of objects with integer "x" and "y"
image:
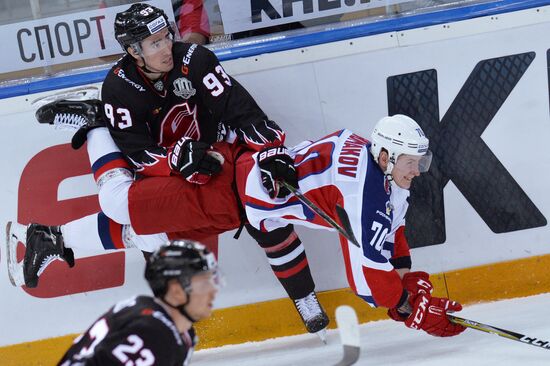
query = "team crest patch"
{"x": 389, "y": 208}
{"x": 387, "y": 185}
{"x": 159, "y": 85}
{"x": 183, "y": 88}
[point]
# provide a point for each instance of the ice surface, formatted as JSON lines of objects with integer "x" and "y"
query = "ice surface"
{"x": 390, "y": 343}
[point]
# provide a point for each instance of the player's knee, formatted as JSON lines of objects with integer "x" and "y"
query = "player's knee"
{"x": 113, "y": 200}
{"x": 273, "y": 237}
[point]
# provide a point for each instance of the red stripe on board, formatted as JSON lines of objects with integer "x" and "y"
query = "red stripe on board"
{"x": 60, "y": 280}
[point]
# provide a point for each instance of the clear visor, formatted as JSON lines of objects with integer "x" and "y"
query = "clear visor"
{"x": 414, "y": 163}
{"x": 159, "y": 41}
{"x": 207, "y": 282}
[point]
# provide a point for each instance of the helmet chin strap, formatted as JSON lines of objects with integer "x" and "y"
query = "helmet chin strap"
{"x": 389, "y": 168}
{"x": 145, "y": 69}
{"x": 148, "y": 70}
{"x": 181, "y": 308}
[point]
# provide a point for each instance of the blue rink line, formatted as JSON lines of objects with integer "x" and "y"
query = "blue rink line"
{"x": 303, "y": 40}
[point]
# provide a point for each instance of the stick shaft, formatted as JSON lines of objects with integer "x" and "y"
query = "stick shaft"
{"x": 533, "y": 341}
{"x": 322, "y": 213}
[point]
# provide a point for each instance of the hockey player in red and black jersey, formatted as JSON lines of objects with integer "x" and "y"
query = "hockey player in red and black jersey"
{"x": 164, "y": 104}
{"x": 158, "y": 330}
{"x": 164, "y": 94}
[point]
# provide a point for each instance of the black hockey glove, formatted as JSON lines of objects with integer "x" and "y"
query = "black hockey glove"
{"x": 262, "y": 134}
{"x": 276, "y": 165}
{"x": 194, "y": 160}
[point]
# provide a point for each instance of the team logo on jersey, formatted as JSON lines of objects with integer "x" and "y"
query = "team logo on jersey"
{"x": 179, "y": 121}
{"x": 387, "y": 185}
{"x": 159, "y": 85}
{"x": 221, "y": 133}
{"x": 389, "y": 208}
{"x": 183, "y": 88}
{"x": 120, "y": 73}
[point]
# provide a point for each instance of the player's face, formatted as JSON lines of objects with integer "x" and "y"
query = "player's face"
{"x": 204, "y": 287}
{"x": 405, "y": 169}
{"x": 157, "y": 51}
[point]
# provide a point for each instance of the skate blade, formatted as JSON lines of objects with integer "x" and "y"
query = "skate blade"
{"x": 322, "y": 334}
{"x": 83, "y": 93}
{"x": 15, "y": 233}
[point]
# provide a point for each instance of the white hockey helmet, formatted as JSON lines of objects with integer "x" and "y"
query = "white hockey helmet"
{"x": 400, "y": 134}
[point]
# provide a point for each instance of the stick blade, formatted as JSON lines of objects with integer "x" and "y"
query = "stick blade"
{"x": 348, "y": 326}
{"x": 346, "y": 224}
{"x": 15, "y": 233}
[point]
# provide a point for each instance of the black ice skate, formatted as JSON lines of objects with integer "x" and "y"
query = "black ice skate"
{"x": 314, "y": 317}
{"x": 44, "y": 244}
{"x": 80, "y": 115}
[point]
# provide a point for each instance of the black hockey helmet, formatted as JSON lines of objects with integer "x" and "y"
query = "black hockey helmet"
{"x": 178, "y": 259}
{"x": 138, "y": 22}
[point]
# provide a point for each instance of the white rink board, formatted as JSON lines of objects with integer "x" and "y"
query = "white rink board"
{"x": 328, "y": 88}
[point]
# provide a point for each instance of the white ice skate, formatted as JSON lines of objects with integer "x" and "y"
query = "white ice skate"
{"x": 314, "y": 317}
{"x": 15, "y": 233}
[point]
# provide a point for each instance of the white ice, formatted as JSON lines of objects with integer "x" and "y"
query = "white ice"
{"x": 390, "y": 343}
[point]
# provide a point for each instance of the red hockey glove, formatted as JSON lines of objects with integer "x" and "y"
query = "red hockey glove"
{"x": 276, "y": 165}
{"x": 194, "y": 160}
{"x": 430, "y": 315}
{"x": 261, "y": 134}
{"x": 414, "y": 283}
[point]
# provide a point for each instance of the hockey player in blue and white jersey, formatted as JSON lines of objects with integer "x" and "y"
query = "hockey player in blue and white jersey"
{"x": 371, "y": 181}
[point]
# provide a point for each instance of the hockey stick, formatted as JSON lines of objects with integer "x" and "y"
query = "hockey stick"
{"x": 499, "y": 332}
{"x": 348, "y": 326}
{"x": 346, "y": 230}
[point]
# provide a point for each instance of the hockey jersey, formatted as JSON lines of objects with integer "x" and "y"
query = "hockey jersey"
{"x": 196, "y": 99}
{"x": 339, "y": 170}
{"x": 137, "y": 331}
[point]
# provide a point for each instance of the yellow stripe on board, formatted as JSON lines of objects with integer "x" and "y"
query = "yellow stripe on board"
{"x": 45, "y": 352}
{"x": 277, "y": 318}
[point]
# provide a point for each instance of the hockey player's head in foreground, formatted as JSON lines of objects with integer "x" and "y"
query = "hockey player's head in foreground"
{"x": 145, "y": 33}
{"x": 183, "y": 275}
{"x": 401, "y": 149}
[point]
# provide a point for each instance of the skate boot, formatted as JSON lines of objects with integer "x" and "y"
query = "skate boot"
{"x": 314, "y": 317}
{"x": 80, "y": 115}
{"x": 44, "y": 244}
